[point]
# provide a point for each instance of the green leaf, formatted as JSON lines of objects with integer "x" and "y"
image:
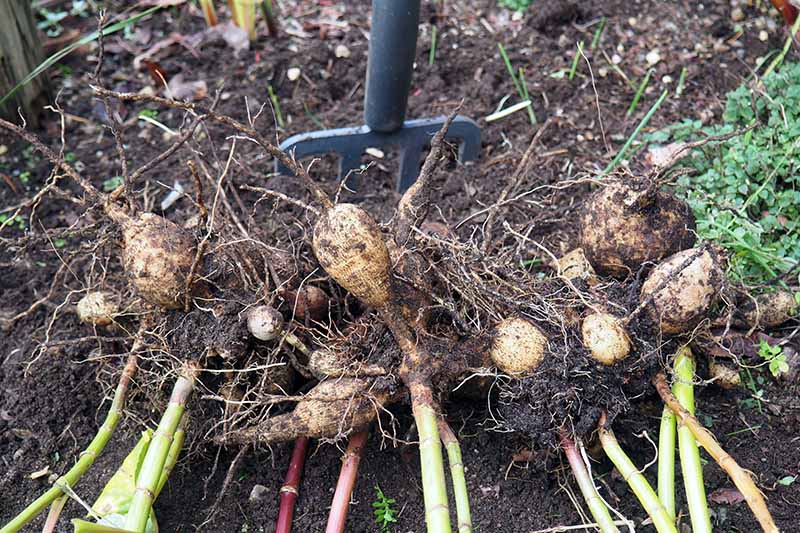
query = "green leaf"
{"x": 787, "y": 480}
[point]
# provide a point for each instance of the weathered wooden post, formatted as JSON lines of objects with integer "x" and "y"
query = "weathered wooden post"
{"x": 20, "y": 53}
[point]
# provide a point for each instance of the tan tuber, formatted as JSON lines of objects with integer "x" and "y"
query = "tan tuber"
{"x": 518, "y": 346}
{"x": 605, "y": 338}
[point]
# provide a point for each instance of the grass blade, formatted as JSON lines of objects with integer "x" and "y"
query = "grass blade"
{"x": 55, "y": 58}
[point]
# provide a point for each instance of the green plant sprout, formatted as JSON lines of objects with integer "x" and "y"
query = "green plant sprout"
{"x": 385, "y": 513}
{"x": 432, "y": 54}
{"x": 775, "y": 357}
{"x": 520, "y": 86}
{"x": 639, "y": 92}
{"x": 598, "y": 33}
{"x": 575, "y": 59}
{"x": 515, "y": 5}
{"x": 276, "y": 107}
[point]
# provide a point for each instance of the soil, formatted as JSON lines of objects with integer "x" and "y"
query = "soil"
{"x": 52, "y": 400}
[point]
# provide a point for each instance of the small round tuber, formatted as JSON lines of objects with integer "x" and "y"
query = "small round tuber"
{"x": 623, "y": 228}
{"x": 686, "y": 295}
{"x": 518, "y": 346}
{"x": 264, "y": 322}
{"x": 574, "y": 264}
{"x": 771, "y": 309}
{"x": 307, "y": 302}
{"x": 349, "y": 246}
{"x": 97, "y": 308}
{"x": 724, "y": 375}
{"x": 158, "y": 256}
{"x": 605, "y": 338}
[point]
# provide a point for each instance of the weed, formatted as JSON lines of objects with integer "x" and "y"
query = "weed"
{"x": 775, "y": 357}
{"x": 787, "y": 480}
{"x": 598, "y": 33}
{"x": 385, "y": 514}
{"x": 753, "y": 386}
{"x": 577, "y": 57}
{"x": 745, "y": 192}
{"x": 639, "y": 92}
{"x": 276, "y": 107}
{"x": 149, "y": 113}
{"x": 112, "y": 184}
{"x": 519, "y": 82}
{"x": 515, "y": 5}
{"x": 17, "y": 221}
{"x": 432, "y": 54}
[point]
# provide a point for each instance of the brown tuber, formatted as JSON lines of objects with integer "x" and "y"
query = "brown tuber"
{"x": 518, "y": 346}
{"x": 771, "y": 309}
{"x": 622, "y": 228}
{"x": 686, "y": 295}
{"x": 307, "y": 302}
{"x": 158, "y": 256}
{"x": 331, "y": 408}
{"x": 97, "y": 308}
{"x": 349, "y": 246}
{"x": 605, "y": 337}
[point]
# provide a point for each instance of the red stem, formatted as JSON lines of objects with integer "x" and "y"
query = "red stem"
{"x": 291, "y": 486}
{"x": 788, "y": 11}
{"x": 574, "y": 458}
{"x": 347, "y": 479}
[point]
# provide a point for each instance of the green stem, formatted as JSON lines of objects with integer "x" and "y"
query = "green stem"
{"x": 87, "y": 457}
{"x": 662, "y": 520}
{"x": 691, "y": 467}
{"x": 666, "y": 461}
{"x": 172, "y": 458}
{"x": 157, "y": 452}
{"x": 434, "y": 486}
{"x": 597, "y": 506}
{"x": 611, "y": 166}
{"x": 460, "y": 492}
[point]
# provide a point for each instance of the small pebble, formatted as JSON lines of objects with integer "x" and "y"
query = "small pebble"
{"x": 632, "y": 22}
{"x": 652, "y": 57}
{"x": 616, "y": 59}
{"x": 763, "y": 36}
{"x": 258, "y": 493}
{"x": 737, "y": 15}
{"x": 342, "y": 51}
{"x": 293, "y": 74}
{"x": 666, "y": 79}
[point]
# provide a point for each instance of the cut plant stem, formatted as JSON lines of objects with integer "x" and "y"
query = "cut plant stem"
{"x": 291, "y": 486}
{"x": 611, "y": 166}
{"x": 88, "y": 456}
{"x": 460, "y": 492}
{"x": 639, "y": 92}
{"x": 691, "y": 467}
{"x": 172, "y": 457}
{"x": 597, "y": 507}
{"x": 434, "y": 487}
{"x": 209, "y": 13}
{"x": 666, "y": 461}
{"x": 346, "y": 482}
{"x": 157, "y": 452}
{"x": 706, "y": 439}
{"x": 663, "y": 522}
